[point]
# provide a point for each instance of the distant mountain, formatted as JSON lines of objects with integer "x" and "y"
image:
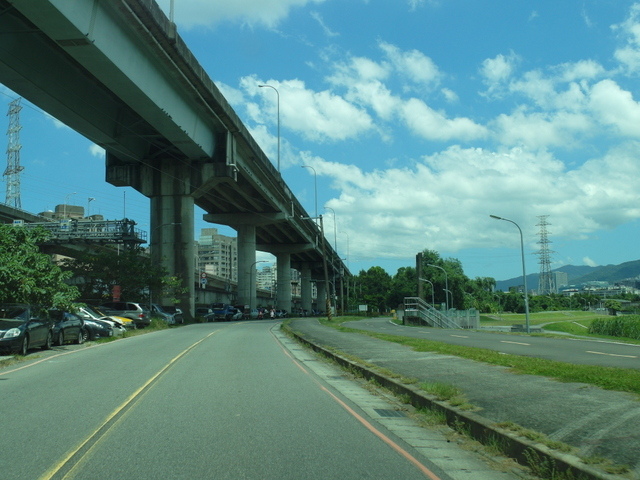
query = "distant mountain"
{"x": 580, "y": 274}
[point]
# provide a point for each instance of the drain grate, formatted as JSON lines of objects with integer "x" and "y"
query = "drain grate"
{"x": 389, "y": 413}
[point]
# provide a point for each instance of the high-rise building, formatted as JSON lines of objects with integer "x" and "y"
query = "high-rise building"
{"x": 217, "y": 254}
{"x": 561, "y": 279}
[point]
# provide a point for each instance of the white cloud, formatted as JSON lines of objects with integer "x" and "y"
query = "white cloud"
{"x": 97, "y": 151}
{"x": 629, "y": 54}
{"x": 433, "y": 125}
{"x": 443, "y": 202}
{"x": 413, "y": 64}
{"x": 496, "y": 71}
{"x": 588, "y": 262}
{"x": 615, "y": 107}
{"x": 268, "y": 13}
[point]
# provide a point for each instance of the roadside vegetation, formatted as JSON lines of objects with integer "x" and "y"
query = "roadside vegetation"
{"x": 623, "y": 380}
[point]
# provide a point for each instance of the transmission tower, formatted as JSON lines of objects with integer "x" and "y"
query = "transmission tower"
{"x": 546, "y": 282}
{"x": 12, "y": 173}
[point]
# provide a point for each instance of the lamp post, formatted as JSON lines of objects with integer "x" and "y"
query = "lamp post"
{"x": 446, "y": 285}
{"x": 315, "y": 183}
{"x": 278, "y": 98}
{"x": 430, "y": 283}
{"x": 66, "y": 200}
{"x": 335, "y": 231}
{"x": 89, "y": 200}
{"x": 524, "y": 273}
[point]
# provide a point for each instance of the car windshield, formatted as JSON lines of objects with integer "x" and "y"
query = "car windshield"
{"x": 14, "y": 312}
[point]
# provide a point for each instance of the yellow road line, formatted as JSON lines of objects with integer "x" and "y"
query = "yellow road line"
{"x": 99, "y": 432}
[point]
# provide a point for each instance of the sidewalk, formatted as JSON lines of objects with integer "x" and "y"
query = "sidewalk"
{"x": 599, "y": 423}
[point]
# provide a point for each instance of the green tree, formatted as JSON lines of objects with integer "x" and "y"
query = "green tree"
{"x": 29, "y": 276}
{"x": 375, "y": 285}
{"x": 130, "y": 269}
{"x": 403, "y": 284}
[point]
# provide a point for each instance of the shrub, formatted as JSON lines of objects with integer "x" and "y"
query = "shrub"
{"x": 627, "y": 326}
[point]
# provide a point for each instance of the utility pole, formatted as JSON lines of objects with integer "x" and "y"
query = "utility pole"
{"x": 13, "y": 156}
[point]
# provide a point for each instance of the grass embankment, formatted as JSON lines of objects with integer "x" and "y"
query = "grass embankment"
{"x": 618, "y": 379}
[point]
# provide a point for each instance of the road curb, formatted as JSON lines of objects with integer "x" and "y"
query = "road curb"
{"x": 523, "y": 450}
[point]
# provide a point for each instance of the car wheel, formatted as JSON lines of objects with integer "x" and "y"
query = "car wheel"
{"x": 82, "y": 336}
{"x": 60, "y": 339}
{"x": 24, "y": 348}
{"x": 48, "y": 341}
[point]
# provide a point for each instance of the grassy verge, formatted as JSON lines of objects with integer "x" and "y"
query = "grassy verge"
{"x": 618, "y": 379}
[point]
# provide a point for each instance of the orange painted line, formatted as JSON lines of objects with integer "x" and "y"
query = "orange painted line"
{"x": 383, "y": 437}
{"x": 363, "y": 420}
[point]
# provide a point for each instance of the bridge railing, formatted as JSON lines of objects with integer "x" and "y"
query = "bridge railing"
{"x": 91, "y": 231}
{"x": 418, "y": 307}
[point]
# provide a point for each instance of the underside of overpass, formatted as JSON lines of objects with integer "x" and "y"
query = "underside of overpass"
{"x": 118, "y": 73}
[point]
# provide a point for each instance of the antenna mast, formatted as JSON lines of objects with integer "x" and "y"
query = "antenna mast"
{"x": 546, "y": 282}
{"x": 13, "y": 156}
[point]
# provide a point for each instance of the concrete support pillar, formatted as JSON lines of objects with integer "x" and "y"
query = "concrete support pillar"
{"x": 172, "y": 245}
{"x": 283, "y": 290}
{"x": 321, "y": 301}
{"x": 305, "y": 287}
{"x": 247, "y": 265}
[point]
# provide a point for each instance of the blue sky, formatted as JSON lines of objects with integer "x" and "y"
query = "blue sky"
{"x": 421, "y": 118}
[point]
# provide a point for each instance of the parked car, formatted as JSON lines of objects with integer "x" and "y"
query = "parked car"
{"x": 223, "y": 311}
{"x": 67, "y": 327}
{"x": 95, "y": 329}
{"x": 169, "y": 313}
{"x": 94, "y": 313}
{"x": 205, "y": 312}
{"x": 23, "y": 327}
{"x": 177, "y": 313}
{"x": 135, "y": 311}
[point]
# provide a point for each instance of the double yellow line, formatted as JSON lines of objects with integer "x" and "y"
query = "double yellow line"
{"x": 66, "y": 468}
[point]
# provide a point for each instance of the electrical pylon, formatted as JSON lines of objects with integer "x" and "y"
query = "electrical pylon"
{"x": 12, "y": 173}
{"x": 546, "y": 282}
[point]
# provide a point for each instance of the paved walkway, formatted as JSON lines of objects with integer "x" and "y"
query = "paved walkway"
{"x": 599, "y": 423}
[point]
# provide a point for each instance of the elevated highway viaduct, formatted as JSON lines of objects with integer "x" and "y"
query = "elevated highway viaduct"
{"x": 118, "y": 73}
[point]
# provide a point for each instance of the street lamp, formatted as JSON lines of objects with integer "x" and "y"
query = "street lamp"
{"x": 315, "y": 183}
{"x": 524, "y": 273}
{"x": 446, "y": 285}
{"x": 432, "y": 295}
{"x": 278, "y": 98}
{"x": 89, "y": 200}
{"x": 66, "y": 200}
{"x": 335, "y": 231}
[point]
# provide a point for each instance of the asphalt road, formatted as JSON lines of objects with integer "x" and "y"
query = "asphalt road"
{"x": 207, "y": 401}
{"x": 606, "y": 353}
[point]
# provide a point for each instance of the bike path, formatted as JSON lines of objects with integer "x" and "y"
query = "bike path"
{"x": 597, "y": 422}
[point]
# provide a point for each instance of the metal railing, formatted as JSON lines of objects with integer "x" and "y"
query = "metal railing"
{"x": 91, "y": 231}
{"x": 418, "y": 307}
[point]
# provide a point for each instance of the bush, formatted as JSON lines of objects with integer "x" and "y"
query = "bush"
{"x": 627, "y": 326}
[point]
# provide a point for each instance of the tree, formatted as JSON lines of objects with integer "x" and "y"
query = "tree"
{"x": 131, "y": 269}
{"x": 29, "y": 276}
{"x": 375, "y": 284}
{"x": 403, "y": 284}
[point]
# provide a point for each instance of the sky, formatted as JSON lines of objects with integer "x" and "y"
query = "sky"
{"x": 418, "y": 118}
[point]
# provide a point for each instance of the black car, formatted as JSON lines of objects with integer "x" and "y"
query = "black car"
{"x": 23, "y": 327}
{"x": 95, "y": 328}
{"x": 67, "y": 327}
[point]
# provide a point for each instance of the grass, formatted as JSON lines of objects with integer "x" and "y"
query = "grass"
{"x": 617, "y": 379}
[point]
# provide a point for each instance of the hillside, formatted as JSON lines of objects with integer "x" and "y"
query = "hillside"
{"x": 581, "y": 274}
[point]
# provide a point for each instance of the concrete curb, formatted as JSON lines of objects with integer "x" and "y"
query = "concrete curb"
{"x": 523, "y": 450}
